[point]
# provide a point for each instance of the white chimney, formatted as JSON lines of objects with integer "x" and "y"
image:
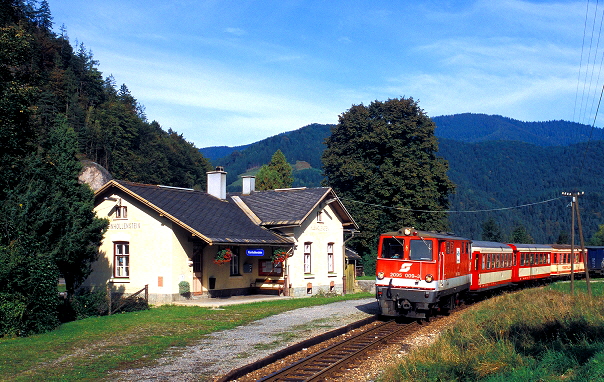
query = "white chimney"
{"x": 217, "y": 182}
{"x": 249, "y": 184}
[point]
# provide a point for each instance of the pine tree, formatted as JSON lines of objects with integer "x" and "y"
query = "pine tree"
{"x": 381, "y": 160}
{"x": 48, "y": 227}
{"x": 277, "y": 174}
{"x": 521, "y": 236}
{"x": 491, "y": 231}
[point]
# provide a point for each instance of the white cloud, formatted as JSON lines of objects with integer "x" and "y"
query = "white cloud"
{"x": 236, "y": 31}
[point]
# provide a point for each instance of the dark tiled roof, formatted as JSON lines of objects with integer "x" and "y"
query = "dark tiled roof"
{"x": 284, "y": 207}
{"x": 217, "y": 220}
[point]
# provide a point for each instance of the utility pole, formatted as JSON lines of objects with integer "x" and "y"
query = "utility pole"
{"x": 575, "y": 209}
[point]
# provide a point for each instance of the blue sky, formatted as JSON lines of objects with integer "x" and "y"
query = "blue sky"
{"x": 235, "y": 72}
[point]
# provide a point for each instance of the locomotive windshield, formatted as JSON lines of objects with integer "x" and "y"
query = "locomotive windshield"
{"x": 420, "y": 250}
{"x": 392, "y": 249}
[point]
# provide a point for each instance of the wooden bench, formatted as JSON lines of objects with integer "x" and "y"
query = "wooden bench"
{"x": 270, "y": 286}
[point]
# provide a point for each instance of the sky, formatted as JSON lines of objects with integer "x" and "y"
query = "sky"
{"x": 229, "y": 73}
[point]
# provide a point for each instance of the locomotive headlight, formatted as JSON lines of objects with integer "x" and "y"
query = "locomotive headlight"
{"x": 380, "y": 275}
{"x": 429, "y": 278}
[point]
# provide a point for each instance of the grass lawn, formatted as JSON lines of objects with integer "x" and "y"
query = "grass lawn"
{"x": 89, "y": 348}
{"x": 539, "y": 334}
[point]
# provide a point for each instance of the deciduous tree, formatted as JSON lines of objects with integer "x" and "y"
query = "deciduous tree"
{"x": 381, "y": 160}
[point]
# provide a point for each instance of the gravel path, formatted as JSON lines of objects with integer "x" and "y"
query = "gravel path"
{"x": 219, "y": 352}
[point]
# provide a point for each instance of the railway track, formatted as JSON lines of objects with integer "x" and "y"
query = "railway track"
{"x": 332, "y": 362}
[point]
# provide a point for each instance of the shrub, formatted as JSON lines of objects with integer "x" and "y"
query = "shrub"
{"x": 86, "y": 303}
{"x": 184, "y": 288}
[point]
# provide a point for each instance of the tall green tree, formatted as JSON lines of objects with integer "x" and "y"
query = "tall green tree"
{"x": 276, "y": 174}
{"x": 521, "y": 236}
{"x": 598, "y": 237}
{"x": 381, "y": 160}
{"x": 491, "y": 231}
{"x": 48, "y": 228}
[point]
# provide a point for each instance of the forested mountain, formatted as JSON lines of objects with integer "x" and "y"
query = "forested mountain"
{"x": 218, "y": 152}
{"x": 500, "y": 174}
{"x": 470, "y": 128}
{"x": 531, "y": 162}
{"x": 55, "y": 78}
{"x": 302, "y": 148}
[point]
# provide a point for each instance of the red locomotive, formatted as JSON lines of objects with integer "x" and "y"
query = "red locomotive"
{"x": 418, "y": 272}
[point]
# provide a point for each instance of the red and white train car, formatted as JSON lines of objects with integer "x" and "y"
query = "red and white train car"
{"x": 533, "y": 262}
{"x": 418, "y": 271}
{"x": 561, "y": 261}
{"x": 492, "y": 265}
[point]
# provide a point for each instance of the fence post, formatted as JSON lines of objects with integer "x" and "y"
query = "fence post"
{"x": 147, "y": 293}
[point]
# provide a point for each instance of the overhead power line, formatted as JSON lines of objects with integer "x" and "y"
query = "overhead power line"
{"x": 454, "y": 212}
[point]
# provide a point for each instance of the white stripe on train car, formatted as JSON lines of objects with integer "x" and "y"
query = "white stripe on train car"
{"x": 494, "y": 277}
{"x": 533, "y": 271}
{"x": 436, "y": 285}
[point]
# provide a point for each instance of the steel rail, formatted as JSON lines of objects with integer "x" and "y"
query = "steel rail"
{"x": 319, "y": 365}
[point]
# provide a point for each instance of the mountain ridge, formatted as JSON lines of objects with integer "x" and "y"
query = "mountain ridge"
{"x": 536, "y": 162}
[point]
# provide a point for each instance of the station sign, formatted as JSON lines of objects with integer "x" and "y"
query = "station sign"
{"x": 254, "y": 252}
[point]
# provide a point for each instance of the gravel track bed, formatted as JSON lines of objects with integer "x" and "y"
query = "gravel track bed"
{"x": 220, "y": 352}
{"x": 372, "y": 367}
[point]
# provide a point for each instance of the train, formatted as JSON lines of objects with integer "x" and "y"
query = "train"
{"x": 419, "y": 273}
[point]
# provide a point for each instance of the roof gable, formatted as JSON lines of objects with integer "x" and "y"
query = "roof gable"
{"x": 293, "y": 206}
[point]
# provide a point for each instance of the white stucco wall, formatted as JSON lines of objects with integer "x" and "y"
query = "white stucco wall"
{"x": 158, "y": 251}
{"x": 319, "y": 234}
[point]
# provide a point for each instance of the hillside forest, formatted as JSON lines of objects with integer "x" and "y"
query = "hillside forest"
{"x": 57, "y": 111}
{"x": 43, "y": 76}
{"x": 495, "y": 163}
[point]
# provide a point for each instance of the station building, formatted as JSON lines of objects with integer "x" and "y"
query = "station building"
{"x": 214, "y": 244}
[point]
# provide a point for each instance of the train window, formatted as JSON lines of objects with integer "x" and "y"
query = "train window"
{"x": 484, "y": 261}
{"x": 420, "y": 250}
{"x": 392, "y": 249}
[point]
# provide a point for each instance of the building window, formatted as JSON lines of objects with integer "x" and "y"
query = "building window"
{"x": 330, "y": 265}
{"x": 121, "y": 260}
{"x": 307, "y": 258}
{"x": 234, "y": 265}
{"x": 121, "y": 212}
{"x": 319, "y": 216}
